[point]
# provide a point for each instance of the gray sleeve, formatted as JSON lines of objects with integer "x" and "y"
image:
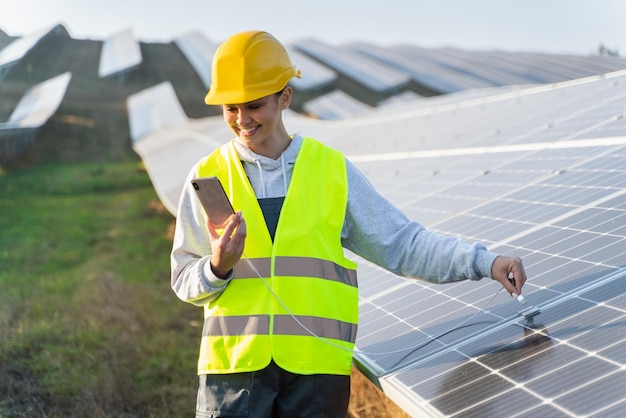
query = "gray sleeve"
{"x": 379, "y": 232}
{"x": 192, "y": 279}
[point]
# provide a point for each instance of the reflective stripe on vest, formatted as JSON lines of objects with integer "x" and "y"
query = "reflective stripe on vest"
{"x": 246, "y": 326}
{"x": 296, "y": 266}
{"x": 283, "y": 325}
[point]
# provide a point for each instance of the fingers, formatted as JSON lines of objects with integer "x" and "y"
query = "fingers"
{"x": 227, "y": 228}
{"x": 232, "y": 224}
{"x": 227, "y": 245}
{"x": 509, "y": 271}
{"x": 239, "y": 235}
{"x": 519, "y": 275}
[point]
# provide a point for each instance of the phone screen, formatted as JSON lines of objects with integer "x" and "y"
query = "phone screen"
{"x": 213, "y": 199}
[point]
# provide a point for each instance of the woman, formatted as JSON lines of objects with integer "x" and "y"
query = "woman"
{"x": 280, "y": 298}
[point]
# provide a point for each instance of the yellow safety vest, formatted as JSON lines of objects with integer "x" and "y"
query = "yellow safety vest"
{"x": 305, "y": 266}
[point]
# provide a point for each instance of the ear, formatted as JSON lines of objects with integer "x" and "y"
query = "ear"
{"x": 285, "y": 98}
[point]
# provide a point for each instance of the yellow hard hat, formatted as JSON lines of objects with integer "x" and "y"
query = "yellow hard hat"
{"x": 247, "y": 66}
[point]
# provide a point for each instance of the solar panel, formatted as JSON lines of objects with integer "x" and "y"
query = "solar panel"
{"x": 120, "y": 53}
{"x": 335, "y": 105}
{"x": 34, "y": 109}
{"x": 38, "y": 103}
{"x": 152, "y": 109}
{"x": 315, "y": 74}
{"x": 18, "y": 48}
{"x": 373, "y": 74}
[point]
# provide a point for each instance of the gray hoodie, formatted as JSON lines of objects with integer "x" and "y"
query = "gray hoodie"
{"x": 373, "y": 228}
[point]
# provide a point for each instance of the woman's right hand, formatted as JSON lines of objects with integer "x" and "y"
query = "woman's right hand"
{"x": 227, "y": 247}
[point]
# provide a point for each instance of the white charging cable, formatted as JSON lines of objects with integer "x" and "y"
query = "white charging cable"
{"x": 369, "y": 353}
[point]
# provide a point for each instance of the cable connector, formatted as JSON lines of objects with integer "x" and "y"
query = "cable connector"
{"x": 529, "y": 312}
{"x": 519, "y": 298}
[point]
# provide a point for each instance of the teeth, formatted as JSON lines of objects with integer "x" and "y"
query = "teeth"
{"x": 248, "y": 130}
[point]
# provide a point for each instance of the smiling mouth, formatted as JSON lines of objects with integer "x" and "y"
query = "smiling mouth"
{"x": 248, "y": 131}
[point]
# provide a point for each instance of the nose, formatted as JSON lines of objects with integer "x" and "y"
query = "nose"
{"x": 242, "y": 117}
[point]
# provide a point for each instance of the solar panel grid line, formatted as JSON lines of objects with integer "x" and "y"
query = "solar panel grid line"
{"x": 530, "y": 401}
{"x": 390, "y": 288}
{"x": 500, "y": 402}
{"x": 613, "y": 129}
{"x": 555, "y": 127}
{"x": 559, "y": 218}
{"x": 608, "y": 279}
{"x": 595, "y": 341}
{"x": 591, "y": 398}
{"x": 549, "y": 354}
{"x": 601, "y": 238}
{"x": 507, "y": 212}
{"x": 610, "y": 119}
{"x": 559, "y": 103}
{"x": 615, "y": 409}
{"x": 555, "y": 121}
{"x": 532, "y": 91}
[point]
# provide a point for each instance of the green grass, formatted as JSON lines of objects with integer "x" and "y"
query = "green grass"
{"x": 88, "y": 323}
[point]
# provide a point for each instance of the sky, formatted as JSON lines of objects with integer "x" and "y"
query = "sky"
{"x": 553, "y": 26}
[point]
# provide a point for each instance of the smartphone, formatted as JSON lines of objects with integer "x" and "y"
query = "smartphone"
{"x": 213, "y": 199}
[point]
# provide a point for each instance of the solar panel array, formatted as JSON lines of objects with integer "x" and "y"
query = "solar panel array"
{"x": 453, "y": 350}
{"x": 447, "y": 70}
{"x": 564, "y": 212}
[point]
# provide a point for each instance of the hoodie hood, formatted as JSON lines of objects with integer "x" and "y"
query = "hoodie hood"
{"x": 269, "y": 177}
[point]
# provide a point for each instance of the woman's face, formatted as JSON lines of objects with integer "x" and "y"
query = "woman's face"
{"x": 258, "y": 124}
